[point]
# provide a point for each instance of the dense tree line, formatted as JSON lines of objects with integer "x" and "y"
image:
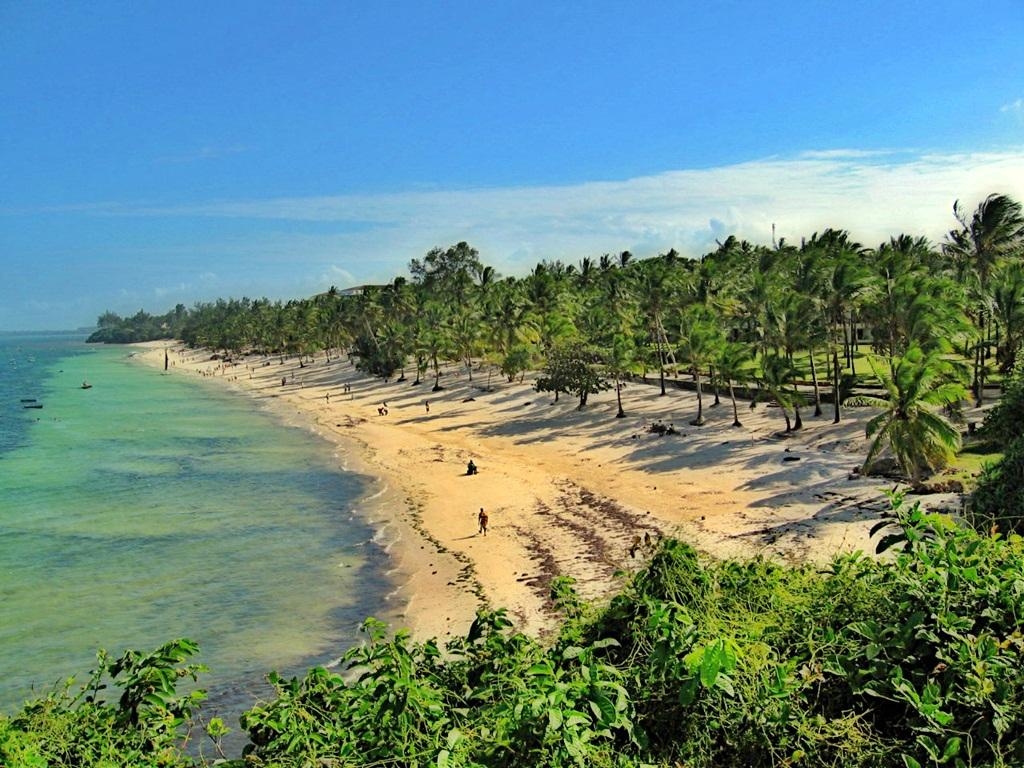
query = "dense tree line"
{"x": 111, "y": 328}
{"x": 801, "y": 322}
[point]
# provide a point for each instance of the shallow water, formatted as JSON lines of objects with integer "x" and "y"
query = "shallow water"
{"x": 151, "y": 507}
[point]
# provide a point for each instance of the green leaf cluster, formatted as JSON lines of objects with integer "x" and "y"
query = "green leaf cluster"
{"x": 91, "y": 725}
{"x": 912, "y": 659}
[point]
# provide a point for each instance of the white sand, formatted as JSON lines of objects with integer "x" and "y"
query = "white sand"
{"x": 567, "y": 491}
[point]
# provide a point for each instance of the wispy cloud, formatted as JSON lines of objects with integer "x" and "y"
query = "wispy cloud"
{"x": 873, "y": 194}
{"x": 209, "y": 152}
{"x": 301, "y": 245}
{"x": 1014, "y": 108}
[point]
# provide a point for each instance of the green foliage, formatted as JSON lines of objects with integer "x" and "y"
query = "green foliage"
{"x": 920, "y": 438}
{"x": 516, "y": 361}
{"x": 81, "y": 728}
{"x": 1004, "y": 422}
{"x": 942, "y": 669}
{"x": 376, "y": 359}
{"x": 914, "y": 659}
{"x": 997, "y": 502}
{"x": 113, "y": 329}
{"x": 574, "y": 369}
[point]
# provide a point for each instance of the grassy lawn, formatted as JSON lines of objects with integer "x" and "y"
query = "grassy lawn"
{"x": 971, "y": 460}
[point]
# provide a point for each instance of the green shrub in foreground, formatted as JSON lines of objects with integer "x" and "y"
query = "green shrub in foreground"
{"x": 915, "y": 660}
{"x": 86, "y": 727}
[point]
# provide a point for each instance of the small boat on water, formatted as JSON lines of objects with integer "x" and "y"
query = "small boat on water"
{"x": 34, "y": 405}
{"x": 28, "y": 400}
{"x": 86, "y": 385}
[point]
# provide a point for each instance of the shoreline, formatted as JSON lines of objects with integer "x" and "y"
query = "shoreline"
{"x": 567, "y": 492}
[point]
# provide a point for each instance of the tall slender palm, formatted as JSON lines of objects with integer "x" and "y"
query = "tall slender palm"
{"x": 731, "y": 365}
{"x": 698, "y": 340}
{"x": 655, "y": 288}
{"x": 920, "y": 437}
{"x": 808, "y": 314}
{"x": 619, "y": 357}
{"x": 436, "y": 339}
{"x": 845, "y": 278}
{"x": 466, "y": 330}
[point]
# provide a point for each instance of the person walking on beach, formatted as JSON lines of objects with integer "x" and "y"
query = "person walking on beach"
{"x": 426, "y": 404}
{"x": 482, "y": 520}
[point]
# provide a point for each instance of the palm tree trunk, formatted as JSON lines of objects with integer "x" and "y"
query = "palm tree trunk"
{"x": 814, "y": 379}
{"x": 979, "y": 400}
{"x": 699, "y": 421}
{"x": 661, "y": 361}
{"x": 835, "y": 384}
{"x": 735, "y": 411}
{"x": 618, "y": 397}
{"x": 976, "y": 383}
{"x": 853, "y": 333}
{"x": 714, "y": 381}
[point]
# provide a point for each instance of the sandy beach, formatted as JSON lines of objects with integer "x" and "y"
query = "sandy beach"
{"x": 566, "y": 492}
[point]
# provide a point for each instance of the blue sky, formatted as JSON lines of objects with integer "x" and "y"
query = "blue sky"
{"x": 157, "y": 152}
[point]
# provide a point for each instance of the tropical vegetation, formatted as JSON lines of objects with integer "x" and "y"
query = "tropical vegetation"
{"x": 913, "y": 658}
{"x": 900, "y": 326}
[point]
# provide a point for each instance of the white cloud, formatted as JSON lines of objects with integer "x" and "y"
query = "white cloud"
{"x": 337, "y": 276}
{"x": 371, "y": 238}
{"x": 873, "y": 194}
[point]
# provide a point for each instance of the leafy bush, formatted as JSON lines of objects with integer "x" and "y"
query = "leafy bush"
{"x": 914, "y": 659}
{"x": 998, "y": 498}
{"x": 1004, "y": 423}
{"x": 82, "y": 728}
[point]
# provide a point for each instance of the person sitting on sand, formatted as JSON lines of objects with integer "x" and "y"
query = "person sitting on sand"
{"x": 471, "y": 468}
{"x": 482, "y": 519}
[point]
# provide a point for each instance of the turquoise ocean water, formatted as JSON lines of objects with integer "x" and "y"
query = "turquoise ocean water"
{"x": 151, "y": 507}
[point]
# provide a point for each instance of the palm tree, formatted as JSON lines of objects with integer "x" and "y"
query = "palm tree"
{"x": 844, "y": 281}
{"x": 992, "y": 234}
{"x": 436, "y": 339}
{"x": 731, "y": 359}
{"x": 777, "y": 373}
{"x": 466, "y": 329}
{"x": 619, "y": 357}
{"x": 698, "y": 339}
{"x": 909, "y": 300}
{"x": 920, "y": 437}
{"x": 655, "y": 288}
{"x": 1008, "y": 308}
